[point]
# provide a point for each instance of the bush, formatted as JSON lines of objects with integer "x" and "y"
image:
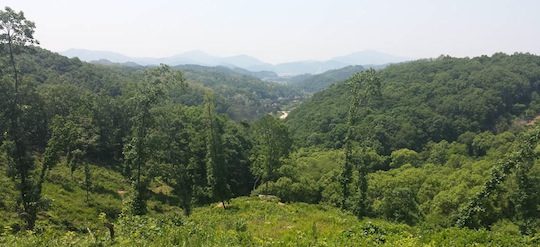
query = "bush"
{"x": 289, "y": 191}
{"x": 400, "y": 205}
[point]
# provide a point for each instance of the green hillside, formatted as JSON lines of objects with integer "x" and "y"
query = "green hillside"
{"x": 256, "y": 222}
{"x": 66, "y": 205}
{"x": 242, "y": 97}
{"x": 427, "y": 100}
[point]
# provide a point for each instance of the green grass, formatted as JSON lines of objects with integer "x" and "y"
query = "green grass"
{"x": 66, "y": 207}
{"x": 7, "y": 198}
{"x": 250, "y": 221}
{"x": 67, "y": 197}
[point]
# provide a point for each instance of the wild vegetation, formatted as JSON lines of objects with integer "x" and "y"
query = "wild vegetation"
{"x": 427, "y": 100}
{"x": 438, "y": 152}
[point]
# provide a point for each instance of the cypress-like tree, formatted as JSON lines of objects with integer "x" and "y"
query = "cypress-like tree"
{"x": 216, "y": 169}
{"x": 365, "y": 86}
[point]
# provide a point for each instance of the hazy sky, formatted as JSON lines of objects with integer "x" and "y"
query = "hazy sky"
{"x": 286, "y": 30}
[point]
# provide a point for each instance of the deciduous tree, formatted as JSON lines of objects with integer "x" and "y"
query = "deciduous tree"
{"x": 136, "y": 152}
{"x": 271, "y": 144}
{"x": 16, "y": 32}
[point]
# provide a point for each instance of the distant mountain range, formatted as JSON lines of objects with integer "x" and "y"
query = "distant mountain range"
{"x": 249, "y": 63}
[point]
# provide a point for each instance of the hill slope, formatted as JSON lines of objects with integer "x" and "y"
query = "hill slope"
{"x": 318, "y": 82}
{"x": 255, "y": 222}
{"x": 427, "y": 100}
{"x": 241, "y": 96}
{"x": 67, "y": 207}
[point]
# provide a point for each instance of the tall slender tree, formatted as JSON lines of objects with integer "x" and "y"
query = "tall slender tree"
{"x": 365, "y": 86}
{"x": 173, "y": 138}
{"x": 16, "y": 32}
{"x": 136, "y": 152}
{"x": 216, "y": 169}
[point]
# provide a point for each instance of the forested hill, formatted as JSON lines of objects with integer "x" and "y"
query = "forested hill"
{"x": 44, "y": 67}
{"x": 427, "y": 100}
{"x": 240, "y": 96}
{"x": 314, "y": 83}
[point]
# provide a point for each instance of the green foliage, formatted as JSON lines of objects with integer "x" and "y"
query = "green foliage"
{"x": 237, "y": 145}
{"x": 365, "y": 88}
{"x": 72, "y": 136}
{"x": 303, "y": 175}
{"x": 174, "y": 152}
{"x": 271, "y": 145}
{"x": 404, "y": 156}
{"x": 216, "y": 169}
{"x": 136, "y": 151}
{"x": 16, "y": 31}
{"x": 399, "y": 204}
{"x": 425, "y": 100}
{"x": 261, "y": 223}
{"x": 315, "y": 83}
{"x": 520, "y": 158}
{"x": 291, "y": 191}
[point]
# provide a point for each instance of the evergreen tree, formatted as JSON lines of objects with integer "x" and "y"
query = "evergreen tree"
{"x": 216, "y": 169}
{"x": 365, "y": 87}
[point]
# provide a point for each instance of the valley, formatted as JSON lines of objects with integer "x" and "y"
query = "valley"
{"x": 98, "y": 148}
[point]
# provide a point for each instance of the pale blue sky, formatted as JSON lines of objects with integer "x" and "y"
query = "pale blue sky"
{"x": 286, "y": 30}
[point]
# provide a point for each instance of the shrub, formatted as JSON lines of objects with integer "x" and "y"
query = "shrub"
{"x": 400, "y": 205}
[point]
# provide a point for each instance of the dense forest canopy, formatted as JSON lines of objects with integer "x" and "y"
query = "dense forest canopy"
{"x": 431, "y": 152}
{"x": 428, "y": 100}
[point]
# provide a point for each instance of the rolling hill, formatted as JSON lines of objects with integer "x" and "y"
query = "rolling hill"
{"x": 314, "y": 83}
{"x": 240, "y": 93}
{"x": 432, "y": 99}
